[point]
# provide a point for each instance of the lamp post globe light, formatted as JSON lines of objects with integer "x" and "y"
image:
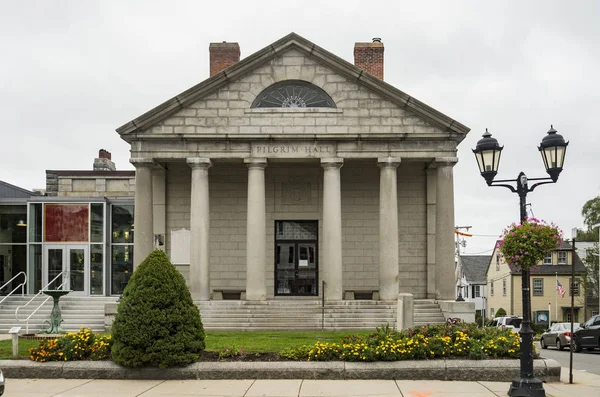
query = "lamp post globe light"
{"x": 487, "y": 152}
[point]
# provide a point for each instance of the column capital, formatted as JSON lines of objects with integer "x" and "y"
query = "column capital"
{"x": 252, "y": 162}
{"x": 388, "y": 162}
{"x": 142, "y": 162}
{"x": 332, "y": 162}
{"x": 445, "y": 161}
{"x": 199, "y": 162}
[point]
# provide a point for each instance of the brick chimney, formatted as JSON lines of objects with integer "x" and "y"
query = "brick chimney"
{"x": 222, "y": 56}
{"x": 104, "y": 162}
{"x": 369, "y": 57}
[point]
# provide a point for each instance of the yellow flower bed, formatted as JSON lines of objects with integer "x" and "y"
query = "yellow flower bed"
{"x": 421, "y": 343}
{"x": 82, "y": 345}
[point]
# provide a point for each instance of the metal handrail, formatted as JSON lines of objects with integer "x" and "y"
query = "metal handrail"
{"x": 16, "y": 288}
{"x": 63, "y": 273}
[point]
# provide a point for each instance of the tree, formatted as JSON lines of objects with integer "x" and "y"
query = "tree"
{"x": 157, "y": 323}
{"x": 592, "y": 268}
{"x": 591, "y": 216}
{"x": 500, "y": 312}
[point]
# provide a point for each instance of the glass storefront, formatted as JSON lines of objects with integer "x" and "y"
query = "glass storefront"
{"x": 122, "y": 231}
{"x": 13, "y": 246}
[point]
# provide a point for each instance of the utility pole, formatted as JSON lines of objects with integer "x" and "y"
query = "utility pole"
{"x": 457, "y": 232}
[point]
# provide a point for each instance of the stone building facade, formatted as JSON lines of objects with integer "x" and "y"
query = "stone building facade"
{"x": 292, "y": 174}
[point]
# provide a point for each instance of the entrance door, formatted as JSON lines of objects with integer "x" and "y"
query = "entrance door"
{"x": 72, "y": 262}
{"x": 296, "y": 258}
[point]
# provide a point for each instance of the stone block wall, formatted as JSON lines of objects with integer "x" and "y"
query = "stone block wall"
{"x": 294, "y": 191}
{"x": 228, "y": 111}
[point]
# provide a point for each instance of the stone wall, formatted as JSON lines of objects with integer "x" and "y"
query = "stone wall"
{"x": 295, "y": 191}
{"x": 228, "y": 111}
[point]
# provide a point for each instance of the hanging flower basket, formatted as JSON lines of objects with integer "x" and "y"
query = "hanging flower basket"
{"x": 523, "y": 246}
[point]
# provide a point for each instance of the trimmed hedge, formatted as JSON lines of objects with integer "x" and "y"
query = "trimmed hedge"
{"x": 157, "y": 323}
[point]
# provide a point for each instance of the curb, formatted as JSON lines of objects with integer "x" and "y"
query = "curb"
{"x": 546, "y": 370}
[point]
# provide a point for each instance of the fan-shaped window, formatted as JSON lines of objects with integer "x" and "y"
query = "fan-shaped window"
{"x": 293, "y": 94}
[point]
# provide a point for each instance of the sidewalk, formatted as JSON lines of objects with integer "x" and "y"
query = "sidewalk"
{"x": 588, "y": 385}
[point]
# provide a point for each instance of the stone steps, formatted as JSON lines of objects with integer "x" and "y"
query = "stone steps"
{"x": 76, "y": 311}
{"x": 427, "y": 312}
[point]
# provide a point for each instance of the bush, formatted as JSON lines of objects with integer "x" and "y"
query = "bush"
{"x": 157, "y": 323}
{"x": 500, "y": 313}
{"x": 82, "y": 345}
{"x": 296, "y": 353}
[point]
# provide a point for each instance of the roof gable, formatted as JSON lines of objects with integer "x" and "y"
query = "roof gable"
{"x": 322, "y": 56}
{"x": 475, "y": 267}
{"x": 11, "y": 191}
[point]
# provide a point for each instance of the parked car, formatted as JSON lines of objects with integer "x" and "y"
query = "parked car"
{"x": 508, "y": 322}
{"x": 559, "y": 335}
{"x": 588, "y": 335}
{"x": 1, "y": 383}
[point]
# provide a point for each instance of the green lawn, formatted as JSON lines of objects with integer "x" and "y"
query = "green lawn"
{"x": 251, "y": 342}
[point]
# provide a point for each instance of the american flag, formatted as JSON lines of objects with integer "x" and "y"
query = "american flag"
{"x": 560, "y": 289}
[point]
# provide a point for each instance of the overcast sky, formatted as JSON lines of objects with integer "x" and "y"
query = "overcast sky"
{"x": 74, "y": 71}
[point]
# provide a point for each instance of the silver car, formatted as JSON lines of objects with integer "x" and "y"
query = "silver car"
{"x": 559, "y": 335}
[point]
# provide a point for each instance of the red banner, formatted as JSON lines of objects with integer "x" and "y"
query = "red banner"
{"x": 66, "y": 223}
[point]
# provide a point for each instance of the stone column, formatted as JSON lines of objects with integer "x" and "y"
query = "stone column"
{"x": 388, "y": 228}
{"x": 431, "y": 208}
{"x": 332, "y": 228}
{"x": 256, "y": 286}
{"x": 144, "y": 236}
{"x": 159, "y": 205}
{"x": 199, "y": 229}
{"x": 444, "y": 229}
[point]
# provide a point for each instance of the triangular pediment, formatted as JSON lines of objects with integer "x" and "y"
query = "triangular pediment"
{"x": 292, "y": 44}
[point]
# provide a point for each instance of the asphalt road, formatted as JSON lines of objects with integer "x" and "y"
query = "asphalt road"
{"x": 584, "y": 361}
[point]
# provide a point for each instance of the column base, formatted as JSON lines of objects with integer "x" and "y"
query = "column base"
{"x": 528, "y": 387}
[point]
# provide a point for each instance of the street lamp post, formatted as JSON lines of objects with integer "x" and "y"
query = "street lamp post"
{"x": 487, "y": 152}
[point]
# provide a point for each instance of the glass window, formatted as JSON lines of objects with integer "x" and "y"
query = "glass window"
{"x": 575, "y": 286}
{"x": 66, "y": 222}
{"x": 497, "y": 262}
{"x": 548, "y": 259}
{"x": 538, "y": 287}
{"x": 13, "y": 224}
{"x": 35, "y": 268}
{"x": 504, "y": 287}
{"x": 562, "y": 257}
{"x": 122, "y": 224}
{"x": 477, "y": 291}
{"x": 122, "y": 267}
{"x": 293, "y": 94}
{"x": 97, "y": 222}
{"x": 96, "y": 269}
{"x": 492, "y": 312}
{"x": 466, "y": 292}
{"x": 35, "y": 223}
{"x": 13, "y": 260}
{"x": 491, "y": 288}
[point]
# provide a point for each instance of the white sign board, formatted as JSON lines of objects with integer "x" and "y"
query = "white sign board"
{"x": 14, "y": 330}
{"x": 180, "y": 247}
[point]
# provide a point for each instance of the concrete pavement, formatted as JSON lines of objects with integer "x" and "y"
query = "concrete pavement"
{"x": 587, "y": 385}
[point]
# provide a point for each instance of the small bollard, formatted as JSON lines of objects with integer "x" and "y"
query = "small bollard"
{"x": 15, "y": 341}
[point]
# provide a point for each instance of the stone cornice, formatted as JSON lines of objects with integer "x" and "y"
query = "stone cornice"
{"x": 292, "y": 40}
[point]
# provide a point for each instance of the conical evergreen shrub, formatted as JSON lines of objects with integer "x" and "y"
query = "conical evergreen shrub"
{"x": 157, "y": 323}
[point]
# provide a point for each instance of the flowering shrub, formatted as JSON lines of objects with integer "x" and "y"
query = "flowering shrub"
{"x": 233, "y": 352}
{"x": 525, "y": 245}
{"x": 82, "y": 345}
{"x": 428, "y": 342}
